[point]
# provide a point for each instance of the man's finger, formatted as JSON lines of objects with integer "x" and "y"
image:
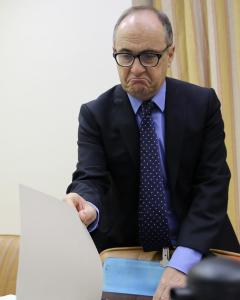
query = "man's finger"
{"x": 171, "y": 278}
{"x": 69, "y": 201}
{"x": 87, "y": 215}
{"x": 75, "y": 200}
{"x": 160, "y": 292}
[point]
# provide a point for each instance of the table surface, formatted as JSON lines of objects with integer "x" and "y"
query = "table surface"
{"x": 116, "y": 296}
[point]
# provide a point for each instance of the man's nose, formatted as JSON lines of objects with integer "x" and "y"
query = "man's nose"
{"x": 137, "y": 67}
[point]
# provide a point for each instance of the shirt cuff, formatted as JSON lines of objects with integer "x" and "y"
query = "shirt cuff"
{"x": 91, "y": 227}
{"x": 183, "y": 259}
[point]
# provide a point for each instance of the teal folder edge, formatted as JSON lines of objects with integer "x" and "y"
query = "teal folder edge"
{"x": 130, "y": 276}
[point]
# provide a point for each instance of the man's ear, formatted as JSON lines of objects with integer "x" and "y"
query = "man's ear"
{"x": 171, "y": 52}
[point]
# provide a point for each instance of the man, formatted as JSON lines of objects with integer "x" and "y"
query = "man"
{"x": 110, "y": 179}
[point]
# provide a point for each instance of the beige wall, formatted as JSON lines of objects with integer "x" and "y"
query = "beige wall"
{"x": 142, "y": 2}
{"x": 54, "y": 55}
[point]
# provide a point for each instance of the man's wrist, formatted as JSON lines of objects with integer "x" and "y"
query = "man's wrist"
{"x": 91, "y": 227}
{"x": 183, "y": 259}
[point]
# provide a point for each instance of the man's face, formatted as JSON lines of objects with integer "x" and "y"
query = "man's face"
{"x": 137, "y": 33}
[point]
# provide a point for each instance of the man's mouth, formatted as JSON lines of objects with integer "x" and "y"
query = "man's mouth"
{"x": 137, "y": 80}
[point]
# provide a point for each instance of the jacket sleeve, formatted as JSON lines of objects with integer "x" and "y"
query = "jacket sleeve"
{"x": 209, "y": 192}
{"x": 91, "y": 179}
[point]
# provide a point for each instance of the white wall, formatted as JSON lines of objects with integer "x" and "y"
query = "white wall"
{"x": 54, "y": 55}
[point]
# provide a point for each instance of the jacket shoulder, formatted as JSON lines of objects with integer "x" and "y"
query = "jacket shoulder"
{"x": 187, "y": 86}
{"x": 106, "y": 99}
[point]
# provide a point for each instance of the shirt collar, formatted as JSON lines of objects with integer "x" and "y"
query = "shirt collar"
{"x": 158, "y": 99}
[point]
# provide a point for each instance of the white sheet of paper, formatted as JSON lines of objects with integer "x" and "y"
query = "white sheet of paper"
{"x": 8, "y": 297}
{"x": 58, "y": 259}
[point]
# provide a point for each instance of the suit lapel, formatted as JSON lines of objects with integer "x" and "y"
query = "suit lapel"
{"x": 174, "y": 122}
{"x": 124, "y": 118}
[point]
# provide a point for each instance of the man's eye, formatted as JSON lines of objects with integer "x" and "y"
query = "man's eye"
{"x": 125, "y": 56}
{"x": 148, "y": 56}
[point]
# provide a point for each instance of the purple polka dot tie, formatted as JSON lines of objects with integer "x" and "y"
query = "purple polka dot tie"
{"x": 153, "y": 223}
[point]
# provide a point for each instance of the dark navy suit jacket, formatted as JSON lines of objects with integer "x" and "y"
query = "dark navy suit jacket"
{"x": 107, "y": 172}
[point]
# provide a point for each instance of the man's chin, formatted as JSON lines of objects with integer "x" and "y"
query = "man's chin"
{"x": 140, "y": 93}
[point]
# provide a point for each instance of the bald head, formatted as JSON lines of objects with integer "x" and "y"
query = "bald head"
{"x": 140, "y": 34}
{"x": 134, "y": 15}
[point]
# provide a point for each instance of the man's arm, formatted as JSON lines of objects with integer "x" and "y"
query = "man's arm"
{"x": 209, "y": 187}
{"x": 91, "y": 178}
{"x": 209, "y": 203}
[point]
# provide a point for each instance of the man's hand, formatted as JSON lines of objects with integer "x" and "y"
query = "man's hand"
{"x": 87, "y": 212}
{"x": 171, "y": 278}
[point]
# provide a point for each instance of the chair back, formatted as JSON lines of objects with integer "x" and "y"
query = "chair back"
{"x": 9, "y": 252}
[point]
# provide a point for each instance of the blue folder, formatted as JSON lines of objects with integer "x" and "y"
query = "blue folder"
{"x": 130, "y": 276}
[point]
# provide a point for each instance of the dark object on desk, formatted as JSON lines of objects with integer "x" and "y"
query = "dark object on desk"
{"x": 212, "y": 279}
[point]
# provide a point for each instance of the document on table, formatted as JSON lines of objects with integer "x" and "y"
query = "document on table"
{"x": 8, "y": 297}
{"x": 131, "y": 276}
{"x": 58, "y": 259}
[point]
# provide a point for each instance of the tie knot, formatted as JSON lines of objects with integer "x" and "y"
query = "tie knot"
{"x": 147, "y": 108}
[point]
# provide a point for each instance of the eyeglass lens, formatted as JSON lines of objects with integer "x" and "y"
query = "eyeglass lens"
{"x": 146, "y": 59}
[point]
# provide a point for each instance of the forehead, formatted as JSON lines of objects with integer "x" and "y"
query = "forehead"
{"x": 140, "y": 31}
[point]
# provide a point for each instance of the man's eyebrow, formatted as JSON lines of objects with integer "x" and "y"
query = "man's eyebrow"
{"x": 125, "y": 50}
{"x": 148, "y": 50}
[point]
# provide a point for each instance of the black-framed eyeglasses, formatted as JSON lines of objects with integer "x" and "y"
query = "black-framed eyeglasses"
{"x": 146, "y": 59}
